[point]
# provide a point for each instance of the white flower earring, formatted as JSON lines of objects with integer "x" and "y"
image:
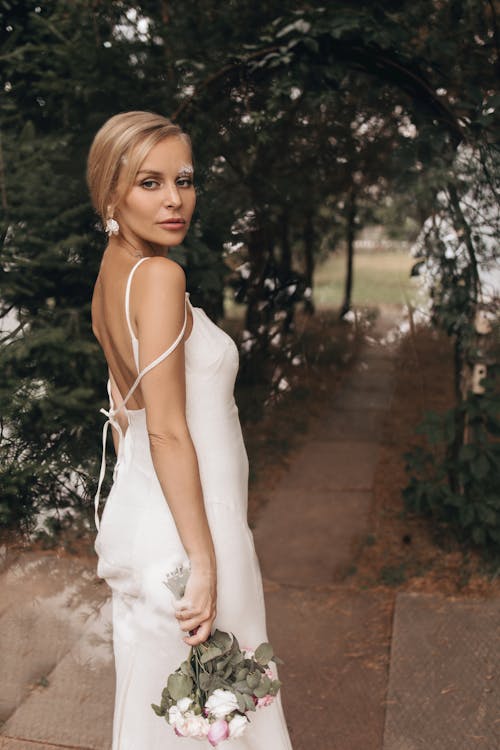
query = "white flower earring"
{"x": 112, "y": 226}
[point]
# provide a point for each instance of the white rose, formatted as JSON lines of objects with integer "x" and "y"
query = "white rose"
{"x": 196, "y": 726}
{"x": 183, "y": 704}
{"x": 221, "y": 703}
{"x": 174, "y": 716}
{"x": 237, "y": 725}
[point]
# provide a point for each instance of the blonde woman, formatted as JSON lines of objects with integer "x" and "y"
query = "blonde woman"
{"x": 179, "y": 493}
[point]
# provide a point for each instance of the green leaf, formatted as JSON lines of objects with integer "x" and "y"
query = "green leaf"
{"x": 205, "y": 681}
{"x": 253, "y": 679}
{"x": 240, "y": 698}
{"x": 179, "y": 686}
{"x": 249, "y": 702}
{"x": 222, "y": 640}
{"x": 187, "y": 669}
{"x": 264, "y": 653}
{"x": 467, "y": 515}
{"x": 480, "y": 467}
{"x": 158, "y": 711}
{"x": 242, "y": 687}
{"x": 275, "y": 686}
{"x": 212, "y": 652}
{"x": 263, "y": 688}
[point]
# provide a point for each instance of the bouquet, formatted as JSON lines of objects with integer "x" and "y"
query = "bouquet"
{"x": 211, "y": 693}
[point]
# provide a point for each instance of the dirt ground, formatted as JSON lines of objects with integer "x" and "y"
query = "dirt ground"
{"x": 405, "y": 550}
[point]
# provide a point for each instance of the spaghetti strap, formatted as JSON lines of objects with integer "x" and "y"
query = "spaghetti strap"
{"x": 113, "y": 411}
{"x": 127, "y": 294}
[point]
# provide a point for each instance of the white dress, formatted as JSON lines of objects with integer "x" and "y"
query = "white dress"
{"x": 138, "y": 543}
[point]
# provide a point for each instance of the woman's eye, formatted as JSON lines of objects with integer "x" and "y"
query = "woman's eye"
{"x": 150, "y": 184}
{"x": 185, "y": 181}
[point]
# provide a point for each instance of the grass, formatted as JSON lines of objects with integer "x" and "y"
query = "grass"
{"x": 378, "y": 277}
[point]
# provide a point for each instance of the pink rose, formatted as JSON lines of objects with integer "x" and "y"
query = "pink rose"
{"x": 265, "y": 701}
{"x": 218, "y": 732}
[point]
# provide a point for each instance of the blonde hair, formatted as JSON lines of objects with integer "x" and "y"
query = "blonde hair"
{"x": 123, "y": 142}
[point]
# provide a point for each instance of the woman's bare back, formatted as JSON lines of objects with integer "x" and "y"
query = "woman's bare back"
{"x": 109, "y": 322}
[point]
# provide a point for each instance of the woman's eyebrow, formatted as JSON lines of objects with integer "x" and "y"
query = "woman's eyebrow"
{"x": 150, "y": 171}
{"x": 185, "y": 169}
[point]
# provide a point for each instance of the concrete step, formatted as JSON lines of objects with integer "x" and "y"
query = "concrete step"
{"x": 444, "y": 681}
{"x": 336, "y": 649}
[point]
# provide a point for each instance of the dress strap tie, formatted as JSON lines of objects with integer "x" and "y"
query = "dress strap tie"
{"x": 112, "y": 412}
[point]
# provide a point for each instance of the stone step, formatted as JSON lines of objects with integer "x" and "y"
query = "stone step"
{"x": 444, "y": 680}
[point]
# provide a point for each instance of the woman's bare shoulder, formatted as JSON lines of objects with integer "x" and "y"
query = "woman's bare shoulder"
{"x": 160, "y": 272}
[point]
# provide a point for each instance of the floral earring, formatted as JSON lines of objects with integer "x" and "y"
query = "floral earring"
{"x": 112, "y": 227}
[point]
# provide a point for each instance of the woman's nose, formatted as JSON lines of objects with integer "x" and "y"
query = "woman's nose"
{"x": 172, "y": 197}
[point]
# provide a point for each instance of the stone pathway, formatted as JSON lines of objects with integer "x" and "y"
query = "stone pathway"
{"x": 417, "y": 675}
{"x": 306, "y": 539}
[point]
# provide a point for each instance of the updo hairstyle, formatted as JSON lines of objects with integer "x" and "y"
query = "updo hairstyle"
{"x": 122, "y": 143}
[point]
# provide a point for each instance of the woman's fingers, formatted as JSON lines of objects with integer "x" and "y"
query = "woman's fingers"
{"x": 191, "y": 624}
{"x": 201, "y": 635}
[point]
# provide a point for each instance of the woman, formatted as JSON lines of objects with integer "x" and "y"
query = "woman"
{"x": 179, "y": 494}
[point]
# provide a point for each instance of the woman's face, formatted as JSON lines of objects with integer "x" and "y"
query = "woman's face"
{"x": 159, "y": 205}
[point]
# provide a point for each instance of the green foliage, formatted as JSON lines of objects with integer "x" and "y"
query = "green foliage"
{"x": 472, "y": 509}
{"x": 219, "y": 663}
{"x": 306, "y": 121}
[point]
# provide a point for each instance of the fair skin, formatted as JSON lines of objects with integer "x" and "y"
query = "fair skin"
{"x": 154, "y": 214}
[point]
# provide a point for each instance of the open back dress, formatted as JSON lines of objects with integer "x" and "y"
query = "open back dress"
{"x": 138, "y": 544}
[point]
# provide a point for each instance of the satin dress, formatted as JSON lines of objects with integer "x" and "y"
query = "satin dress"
{"x": 138, "y": 544}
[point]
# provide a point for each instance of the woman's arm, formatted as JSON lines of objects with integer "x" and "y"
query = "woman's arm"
{"x": 157, "y": 308}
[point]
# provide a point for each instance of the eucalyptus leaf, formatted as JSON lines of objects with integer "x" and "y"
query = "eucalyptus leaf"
{"x": 212, "y": 652}
{"x": 263, "y": 688}
{"x": 222, "y": 640}
{"x": 179, "y": 686}
{"x": 253, "y": 680}
{"x": 249, "y": 702}
{"x": 187, "y": 669}
{"x": 205, "y": 681}
{"x": 264, "y": 653}
{"x": 240, "y": 698}
{"x": 275, "y": 686}
{"x": 242, "y": 687}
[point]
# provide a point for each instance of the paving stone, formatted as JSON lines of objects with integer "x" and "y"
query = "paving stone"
{"x": 12, "y": 743}
{"x": 334, "y": 678}
{"x": 444, "y": 682}
{"x": 51, "y": 605}
{"x": 323, "y": 465}
{"x": 349, "y": 424}
{"x": 363, "y": 398}
{"x": 307, "y": 538}
{"x": 83, "y": 678}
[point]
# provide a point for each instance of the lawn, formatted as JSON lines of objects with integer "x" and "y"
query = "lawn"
{"x": 378, "y": 277}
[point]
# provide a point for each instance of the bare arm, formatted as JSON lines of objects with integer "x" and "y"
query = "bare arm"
{"x": 159, "y": 294}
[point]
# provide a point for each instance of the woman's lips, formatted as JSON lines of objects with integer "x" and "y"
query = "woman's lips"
{"x": 172, "y": 224}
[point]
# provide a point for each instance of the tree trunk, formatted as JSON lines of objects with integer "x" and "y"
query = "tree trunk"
{"x": 309, "y": 258}
{"x": 286, "y": 251}
{"x": 350, "y": 236}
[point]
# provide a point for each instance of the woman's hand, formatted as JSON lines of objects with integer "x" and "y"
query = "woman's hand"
{"x": 197, "y": 609}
